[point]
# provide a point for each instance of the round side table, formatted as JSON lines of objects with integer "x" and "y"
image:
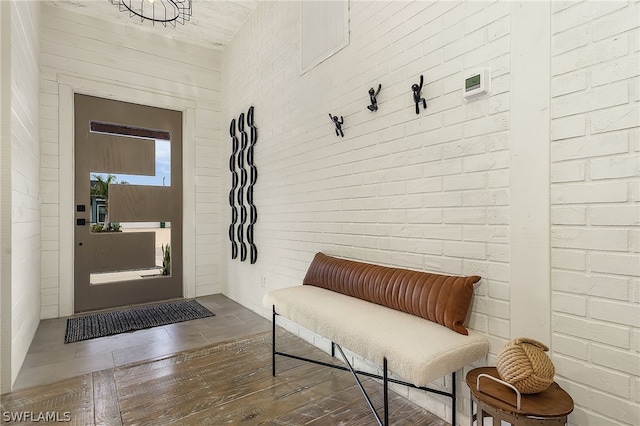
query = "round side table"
{"x": 494, "y": 399}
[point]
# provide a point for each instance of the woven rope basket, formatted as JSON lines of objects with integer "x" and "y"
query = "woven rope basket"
{"x": 524, "y": 364}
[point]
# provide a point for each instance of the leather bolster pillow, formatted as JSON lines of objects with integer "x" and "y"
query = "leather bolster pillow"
{"x": 439, "y": 298}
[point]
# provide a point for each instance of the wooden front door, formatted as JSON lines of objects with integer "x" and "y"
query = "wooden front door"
{"x": 128, "y": 204}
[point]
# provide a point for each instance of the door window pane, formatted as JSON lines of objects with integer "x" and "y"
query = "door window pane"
{"x": 149, "y": 242}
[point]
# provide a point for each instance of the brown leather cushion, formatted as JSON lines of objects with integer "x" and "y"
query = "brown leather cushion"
{"x": 440, "y": 298}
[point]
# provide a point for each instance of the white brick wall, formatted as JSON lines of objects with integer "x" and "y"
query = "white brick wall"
{"x": 433, "y": 191}
{"x": 595, "y": 215}
{"x": 428, "y": 191}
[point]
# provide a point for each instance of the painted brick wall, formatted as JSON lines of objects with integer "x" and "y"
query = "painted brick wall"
{"x": 595, "y": 194}
{"x": 428, "y": 191}
{"x": 432, "y": 191}
{"x": 25, "y": 179}
{"x": 110, "y": 55}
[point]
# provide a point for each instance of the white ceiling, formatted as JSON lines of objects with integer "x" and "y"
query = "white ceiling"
{"x": 213, "y": 22}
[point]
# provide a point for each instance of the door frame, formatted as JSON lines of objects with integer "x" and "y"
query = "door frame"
{"x": 67, "y": 87}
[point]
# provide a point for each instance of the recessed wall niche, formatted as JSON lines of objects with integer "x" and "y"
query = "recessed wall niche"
{"x": 324, "y": 31}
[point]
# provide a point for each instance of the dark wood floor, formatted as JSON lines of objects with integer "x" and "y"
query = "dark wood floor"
{"x": 50, "y": 360}
{"x": 222, "y": 383}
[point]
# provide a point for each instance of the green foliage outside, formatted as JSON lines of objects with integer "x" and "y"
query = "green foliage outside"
{"x": 101, "y": 190}
{"x": 166, "y": 259}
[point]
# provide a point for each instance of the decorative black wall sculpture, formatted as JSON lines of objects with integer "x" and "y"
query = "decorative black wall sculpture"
{"x": 241, "y": 189}
{"x": 234, "y": 186}
{"x": 417, "y": 96}
{"x": 373, "y": 95}
{"x": 253, "y": 177}
{"x": 338, "y": 123}
{"x": 242, "y": 184}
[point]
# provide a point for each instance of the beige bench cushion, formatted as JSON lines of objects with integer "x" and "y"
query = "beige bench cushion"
{"x": 417, "y": 350}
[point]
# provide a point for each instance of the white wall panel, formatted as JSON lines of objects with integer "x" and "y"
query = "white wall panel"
{"x": 324, "y": 30}
{"x": 24, "y": 180}
{"x": 5, "y": 199}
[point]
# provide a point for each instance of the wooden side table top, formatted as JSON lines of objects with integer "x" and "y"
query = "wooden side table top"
{"x": 552, "y": 402}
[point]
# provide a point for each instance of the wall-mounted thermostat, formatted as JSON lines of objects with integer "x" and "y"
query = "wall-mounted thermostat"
{"x": 477, "y": 84}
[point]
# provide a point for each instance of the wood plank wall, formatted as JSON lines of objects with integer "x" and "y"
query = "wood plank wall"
{"x": 24, "y": 182}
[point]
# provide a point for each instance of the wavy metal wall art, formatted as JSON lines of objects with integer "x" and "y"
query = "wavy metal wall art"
{"x": 241, "y": 189}
{"x": 253, "y": 178}
{"x": 234, "y": 186}
{"x": 243, "y": 178}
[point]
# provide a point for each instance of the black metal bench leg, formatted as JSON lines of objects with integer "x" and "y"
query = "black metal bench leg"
{"x": 364, "y": 393}
{"x": 385, "y": 378}
{"x": 385, "y": 382}
{"x": 453, "y": 398}
{"x": 273, "y": 342}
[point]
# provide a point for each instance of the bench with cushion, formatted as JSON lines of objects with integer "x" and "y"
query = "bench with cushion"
{"x": 410, "y": 323}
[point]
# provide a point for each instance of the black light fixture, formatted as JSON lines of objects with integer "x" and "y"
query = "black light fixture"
{"x": 161, "y": 11}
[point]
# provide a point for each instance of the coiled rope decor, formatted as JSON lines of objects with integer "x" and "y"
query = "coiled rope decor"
{"x": 524, "y": 364}
{"x": 244, "y": 175}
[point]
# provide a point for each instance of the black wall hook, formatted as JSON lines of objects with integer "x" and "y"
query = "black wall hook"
{"x": 372, "y": 97}
{"x": 338, "y": 123}
{"x": 417, "y": 97}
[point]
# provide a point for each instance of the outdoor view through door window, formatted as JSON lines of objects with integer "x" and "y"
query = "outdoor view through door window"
{"x": 113, "y": 196}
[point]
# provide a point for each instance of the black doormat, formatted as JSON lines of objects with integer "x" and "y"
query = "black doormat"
{"x": 110, "y": 323}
